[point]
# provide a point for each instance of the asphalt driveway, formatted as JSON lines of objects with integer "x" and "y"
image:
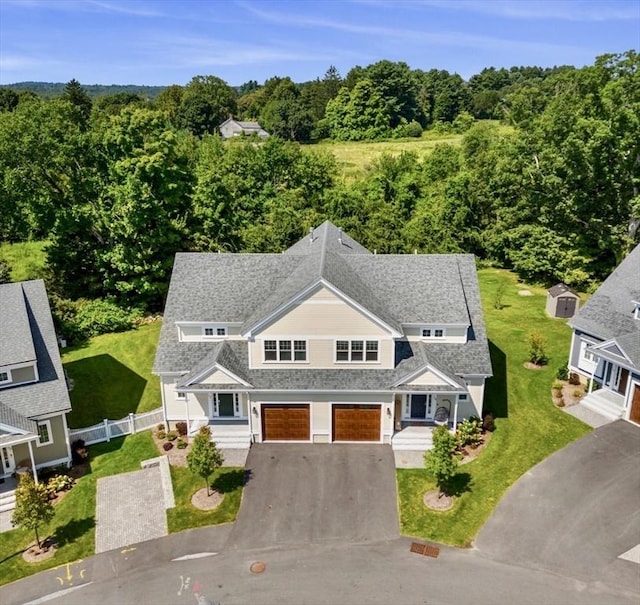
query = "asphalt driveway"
{"x": 575, "y": 512}
{"x": 305, "y": 494}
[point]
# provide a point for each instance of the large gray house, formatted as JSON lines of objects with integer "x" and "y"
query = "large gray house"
{"x": 605, "y": 347}
{"x": 323, "y": 343}
{"x": 234, "y": 128}
{"x": 33, "y": 391}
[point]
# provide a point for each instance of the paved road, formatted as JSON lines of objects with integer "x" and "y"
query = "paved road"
{"x": 502, "y": 570}
{"x": 575, "y": 512}
{"x": 307, "y": 494}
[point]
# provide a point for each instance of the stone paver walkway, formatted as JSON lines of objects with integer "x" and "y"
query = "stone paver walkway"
{"x": 130, "y": 509}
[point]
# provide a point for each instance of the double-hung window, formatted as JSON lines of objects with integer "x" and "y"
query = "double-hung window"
{"x": 357, "y": 350}
{"x": 213, "y": 332}
{"x": 285, "y": 350}
{"x": 5, "y": 376}
{"x": 432, "y": 333}
{"x": 44, "y": 432}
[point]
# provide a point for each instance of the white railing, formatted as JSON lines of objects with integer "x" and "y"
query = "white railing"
{"x": 110, "y": 429}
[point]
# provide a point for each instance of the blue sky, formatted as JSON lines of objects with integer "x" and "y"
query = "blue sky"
{"x": 161, "y": 42}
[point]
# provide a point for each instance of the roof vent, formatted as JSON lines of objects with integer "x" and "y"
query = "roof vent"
{"x": 340, "y": 234}
{"x": 311, "y": 235}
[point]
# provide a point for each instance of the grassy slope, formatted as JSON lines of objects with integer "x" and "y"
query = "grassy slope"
{"x": 529, "y": 427}
{"x": 353, "y": 157}
{"x": 112, "y": 376}
{"x": 26, "y": 259}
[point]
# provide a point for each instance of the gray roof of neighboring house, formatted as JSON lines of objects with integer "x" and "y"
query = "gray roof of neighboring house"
{"x": 397, "y": 289}
{"x": 16, "y": 345}
{"x": 49, "y": 394}
{"x": 609, "y": 313}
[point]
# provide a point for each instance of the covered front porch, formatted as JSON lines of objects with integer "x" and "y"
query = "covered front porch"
{"x": 227, "y": 433}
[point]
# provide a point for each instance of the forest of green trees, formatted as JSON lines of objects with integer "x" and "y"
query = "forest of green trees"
{"x": 117, "y": 184}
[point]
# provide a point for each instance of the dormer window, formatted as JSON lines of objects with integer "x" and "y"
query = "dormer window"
{"x": 5, "y": 377}
{"x": 214, "y": 331}
{"x": 433, "y": 333}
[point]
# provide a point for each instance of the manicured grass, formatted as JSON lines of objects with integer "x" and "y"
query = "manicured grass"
{"x": 529, "y": 426}
{"x": 354, "y": 157}
{"x": 112, "y": 376}
{"x": 74, "y": 523}
{"x": 26, "y": 259}
{"x": 227, "y": 480}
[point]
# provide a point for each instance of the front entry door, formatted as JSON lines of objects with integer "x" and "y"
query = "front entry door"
{"x": 8, "y": 461}
{"x": 634, "y": 415}
{"x": 225, "y": 404}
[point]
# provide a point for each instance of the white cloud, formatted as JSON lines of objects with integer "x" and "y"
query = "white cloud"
{"x": 559, "y": 10}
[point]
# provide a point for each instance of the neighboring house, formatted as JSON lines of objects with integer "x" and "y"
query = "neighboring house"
{"x": 33, "y": 391}
{"x": 234, "y": 128}
{"x": 325, "y": 342}
{"x": 605, "y": 347}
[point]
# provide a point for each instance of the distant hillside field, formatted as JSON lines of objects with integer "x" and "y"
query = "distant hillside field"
{"x": 353, "y": 157}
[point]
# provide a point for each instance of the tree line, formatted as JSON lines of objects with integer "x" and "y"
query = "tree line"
{"x": 118, "y": 186}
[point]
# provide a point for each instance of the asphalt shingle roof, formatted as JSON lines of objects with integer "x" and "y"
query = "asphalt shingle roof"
{"x": 49, "y": 394}
{"x": 16, "y": 345}
{"x": 397, "y": 289}
{"x": 609, "y": 313}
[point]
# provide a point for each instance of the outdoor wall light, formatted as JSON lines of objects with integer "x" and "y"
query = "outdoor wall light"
{"x": 254, "y": 409}
{"x": 389, "y": 412}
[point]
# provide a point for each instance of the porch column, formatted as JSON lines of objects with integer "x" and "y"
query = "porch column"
{"x": 455, "y": 414}
{"x": 186, "y": 412}
{"x": 592, "y": 375}
{"x": 33, "y": 462}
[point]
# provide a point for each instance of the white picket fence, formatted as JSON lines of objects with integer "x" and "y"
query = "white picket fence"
{"x": 110, "y": 429}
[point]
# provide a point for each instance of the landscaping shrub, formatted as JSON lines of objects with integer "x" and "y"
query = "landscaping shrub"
{"x": 59, "y": 483}
{"x": 161, "y": 435}
{"x": 557, "y": 386}
{"x": 181, "y": 444}
{"x": 167, "y": 446}
{"x": 410, "y": 129}
{"x": 578, "y": 393}
{"x": 469, "y": 432}
{"x": 79, "y": 452}
{"x": 172, "y": 435}
{"x": 562, "y": 373}
{"x": 574, "y": 379}
{"x": 489, "y": 423}
{"x": 160, "y": 427}
{"x": 181, "y": 427}
{"x": 83, "y": 318}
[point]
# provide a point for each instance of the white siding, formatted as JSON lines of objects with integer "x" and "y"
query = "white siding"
{"x": 475, "y": 385}
{"x": 218, "y": 377}
{"x": 194, "y": 332}
{"x": 429, "y": 378}
{"x": 177, "y": 408}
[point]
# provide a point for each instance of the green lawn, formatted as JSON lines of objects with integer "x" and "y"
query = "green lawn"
{"x": 112, "y": 376}
{"x": 529, "y": 426}
{"x": 227, "y": 480}
{"x": 74, "y": 523}
{"x": 353, "y": 157}
{"x": 26, "y": 259}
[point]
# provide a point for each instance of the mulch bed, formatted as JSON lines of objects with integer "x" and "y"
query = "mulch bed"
{"x": 177, "y": 457}
{"x": 470, "y": 454}
{"x": 434, "y": 501}
{"x": 203, "y": 502}
{"x": 33, "y": 554}
{"x": 533, "y": 366}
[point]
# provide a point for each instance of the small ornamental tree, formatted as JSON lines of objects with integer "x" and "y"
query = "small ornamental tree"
{"x": 537, "y": 353}
{"x": 32, "y": 505}
{"x": 440, "y": 460}
{"x": 204, "y": 458}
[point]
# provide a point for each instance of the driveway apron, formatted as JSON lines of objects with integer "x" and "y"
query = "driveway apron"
{"x": 304, "y": 494}
{"x": 130, "y": 508}
{"x": 576, "y": 512}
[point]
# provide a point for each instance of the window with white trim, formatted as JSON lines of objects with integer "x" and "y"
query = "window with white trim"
{"x": 285, "y": 350}
{"x": 45, "y": 437}
{"x": 433, "y": 332}
{"x": 357, "y": 350}
{"x": 214, "y": 331}
{"x": 181, "y": 395}
{"x": 462, "y": 397}
{"x": 5, "y": 376}
{"x": 226, "y": 405}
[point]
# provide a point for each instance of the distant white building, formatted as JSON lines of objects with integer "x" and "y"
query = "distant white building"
{"x": 234, "y": 128}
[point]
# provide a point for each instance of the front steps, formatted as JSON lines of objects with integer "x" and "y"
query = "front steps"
{"x": 604, "y": 402}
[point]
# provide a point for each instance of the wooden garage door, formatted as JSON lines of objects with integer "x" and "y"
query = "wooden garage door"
{"x": 356, "y": 423}
{"x": 285, "y": 422}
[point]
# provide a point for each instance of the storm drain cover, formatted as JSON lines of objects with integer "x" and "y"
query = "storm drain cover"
{"x": 257, "y": 567}
{"x": 425, "y": 549}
